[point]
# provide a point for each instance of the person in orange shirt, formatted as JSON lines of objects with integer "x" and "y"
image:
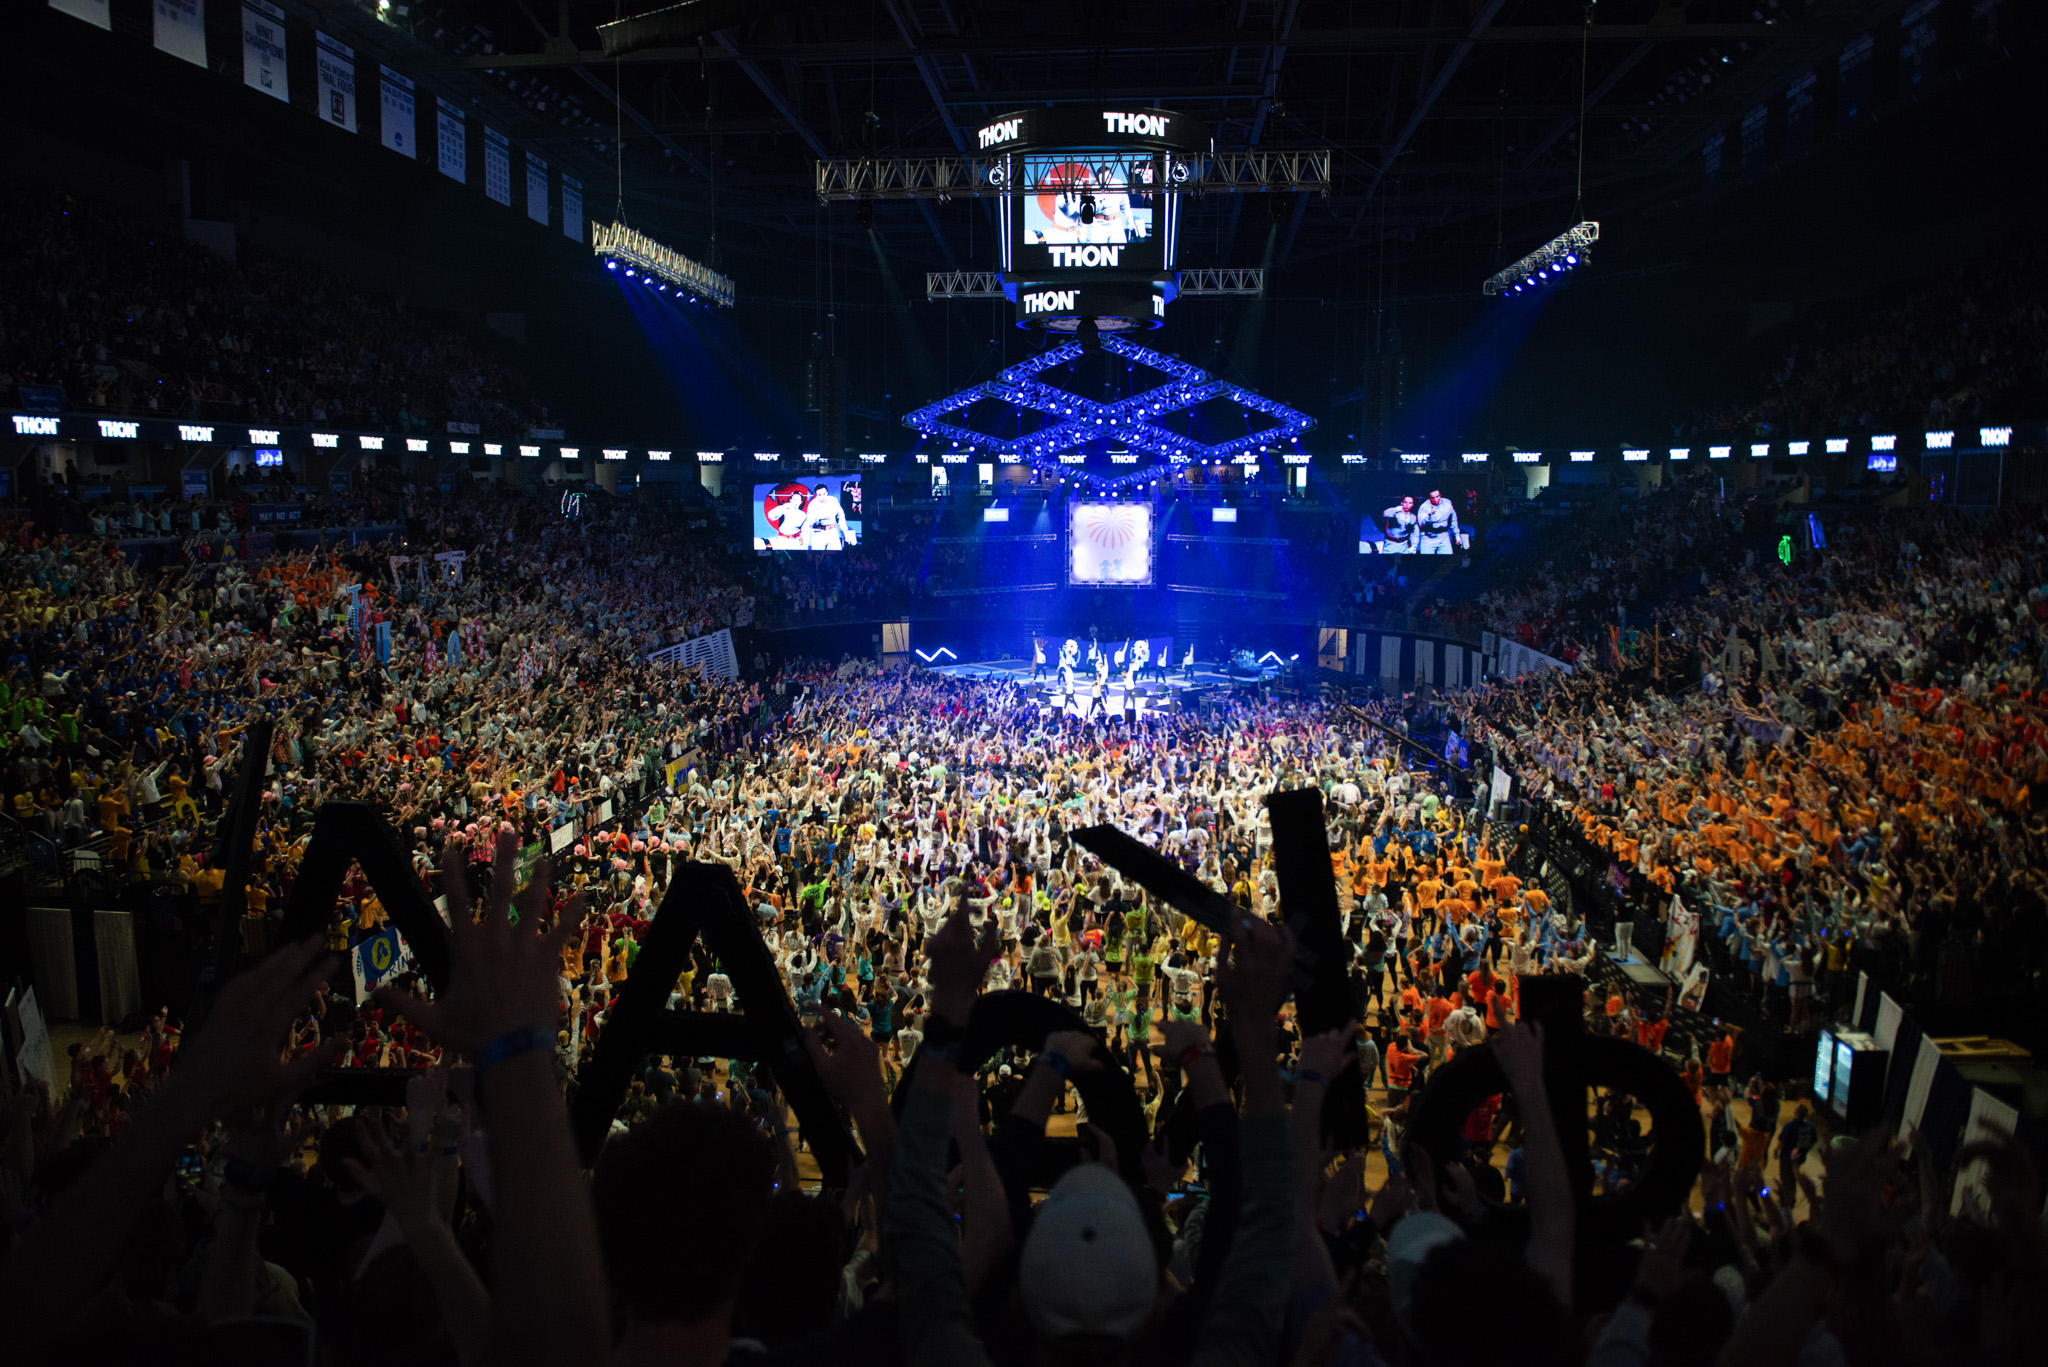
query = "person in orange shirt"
{"x": 1721, "y": 1059}
{"x": 1650, "y": 1034}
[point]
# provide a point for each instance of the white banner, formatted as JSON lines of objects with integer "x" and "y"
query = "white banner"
{"x": 1517, "y": 659}
{"x": 454, "y": 142}
{"x": 713, "y": 653}
{"x": 497, "y": 167}
{"x": 395, "y": 112}
{"x": 1681, "y": 938}
{"x": 572, "y": 208}
{"x": 35, "y": 1059}
{"x": 181, "y": 29}
{"x": 94, "y": 12}
{"x": 536, "y": 189}
{"x": 1499, "y": 789}
{"x": 336, "y": 61}
{"x": 1925, "y": 1065}
{"x": 1990, "y": 1121}
{"x": 263, "y": 48}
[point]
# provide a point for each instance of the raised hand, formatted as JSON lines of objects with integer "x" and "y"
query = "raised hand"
{"x": 1177, "y": 1037}
{"x": 234, "y": 1062}
{"x": 1260, "y": 956}
{"x": 504, "y": 977}
{"x": 957, "y": 962}
{"x": 1326, "y": 1054}
{"x": 848, "y": 1062}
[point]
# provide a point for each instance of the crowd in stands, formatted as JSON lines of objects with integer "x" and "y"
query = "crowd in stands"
{"x": 1852, "y": 783}
{"x": 1856, "y": 768}
{"x": 1969, "y": 344}
{"x": 127, "y": 315}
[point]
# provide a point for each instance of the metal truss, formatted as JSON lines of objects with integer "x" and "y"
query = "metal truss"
{"x": 963, "y": 285}
{"x": 1567, "y": 250}
{"x": 1248, "y": 280}
{"x": 954, "y": 177}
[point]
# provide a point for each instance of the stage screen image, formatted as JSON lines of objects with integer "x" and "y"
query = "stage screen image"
{"x": 818, "y": 513}
{"x": 1088, "y": 200}
{"x": 1416, "y": 519}
{"x": 1109, "y": 543}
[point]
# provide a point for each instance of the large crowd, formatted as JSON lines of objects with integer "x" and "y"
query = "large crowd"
{"x": 1834, "y": 762}
{"x": 126, "y": 314}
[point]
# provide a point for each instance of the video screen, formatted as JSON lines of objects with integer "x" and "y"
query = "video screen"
{"x": 1823, "y": 1066}
{"x": 817, "y": 513}
{"x": 1428, "y": 520}
{"x": 1845, "y": 1064}
{"x": 269, "y": 456}
{"x": 1091, "y": 210}
{"x": 1109, "y": 543}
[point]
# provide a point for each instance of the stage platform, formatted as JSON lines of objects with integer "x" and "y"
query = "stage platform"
{"x": 1148, "y": 694}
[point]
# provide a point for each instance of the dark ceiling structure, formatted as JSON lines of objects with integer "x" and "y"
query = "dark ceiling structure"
{"x": 1442, "y": 115}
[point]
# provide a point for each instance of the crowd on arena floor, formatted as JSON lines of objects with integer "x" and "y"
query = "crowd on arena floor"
{"x": 1856, "y": 769}
{"x": 126, "y": 314}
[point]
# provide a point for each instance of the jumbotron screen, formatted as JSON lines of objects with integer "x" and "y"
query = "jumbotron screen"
{"x": 1109, "y": 543}
{"x": 1426, "y": 519}
{"x": 1092, "y": 210}
{"x": 819, "y": 513}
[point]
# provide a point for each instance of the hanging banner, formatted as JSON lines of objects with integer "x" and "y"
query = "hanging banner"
{"x": 454, "y": 142}
{"x": 94, "y": 12}
{"x": 336, "y": 62}
{"x": 383, "y": 955}
{"x": 395, "y": 112}
{"x": 181, "y": 29}
{"x": 536, "y": 189}
{"x": 1681, "y": 939}
{"x": 572, "y": 208}
{"x": 263, "y": 48}
{"x": 497, "y": 167}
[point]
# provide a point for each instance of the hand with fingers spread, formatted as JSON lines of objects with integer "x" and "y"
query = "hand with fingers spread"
{"x": 956, "y": 963}
{"x": 848, "y": 1062}
{"x": 1077, "y": 1048}
{"x": 402, "y": 1180}
{"x": 504, "y": 978}
{"x": 1325, "y": 1055}
{"x": 1252, "y": 984}
{"x": 233, "y": 1062}
{"x": 1178, "y": 1038}
{"x": 1663, "y": 1262}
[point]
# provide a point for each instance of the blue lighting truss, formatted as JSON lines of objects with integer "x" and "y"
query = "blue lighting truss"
{"x": 1137, "y": 421}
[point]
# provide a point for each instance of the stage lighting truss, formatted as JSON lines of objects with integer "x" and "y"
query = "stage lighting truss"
{"x": 1190, "y": 284}
{"x": 638, "y": 254}
{"x": 867, "y": 178}
{"x": 1548, "y": 263}
{"x": 1137, "y": 421}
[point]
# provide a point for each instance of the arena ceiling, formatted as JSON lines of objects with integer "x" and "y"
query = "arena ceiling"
{"x": 1445, "y": 117}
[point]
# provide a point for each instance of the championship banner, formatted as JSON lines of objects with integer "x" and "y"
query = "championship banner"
{"x": 336, "y": 63}
{"x": 94, "y": 12}
{"x": 536, "y": 189}
{"x": 562, "y": 838}
{"x": 712, "y": 653}
{"x": 453, "y": 141}
{"x": 263, "y": 49}
{"x": 395, "y": 112}
{"x": 497, "y": 167}
{"x": 1498, "y": 790}
{"x": 181, "y": 29}
{"x": 572, "y": 208}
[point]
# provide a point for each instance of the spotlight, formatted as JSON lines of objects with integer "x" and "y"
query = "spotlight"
{"x": 649, "y": 260}
{"x": 611, "y": 265}
{"x": 630, "y": 271}
{"x": 1547, "y": 262}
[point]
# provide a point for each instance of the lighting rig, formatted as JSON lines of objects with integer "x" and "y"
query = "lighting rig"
{"x": 1548, "y": 263}
{"x": 665, "y": 270}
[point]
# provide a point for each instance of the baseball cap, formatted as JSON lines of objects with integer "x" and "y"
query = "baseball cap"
{"x": 1088, "y": 1265}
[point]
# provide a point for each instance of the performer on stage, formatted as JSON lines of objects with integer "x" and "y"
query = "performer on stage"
{"x": 1037, "y": 658}
{"x": 1187, "y": 663}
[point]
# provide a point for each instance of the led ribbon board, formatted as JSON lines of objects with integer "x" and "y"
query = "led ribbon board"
{"x": 1138, "y": 421}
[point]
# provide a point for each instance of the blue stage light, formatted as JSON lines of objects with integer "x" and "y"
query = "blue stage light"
{"x": 629, "y": 270}
{"x": 611, "y": 265}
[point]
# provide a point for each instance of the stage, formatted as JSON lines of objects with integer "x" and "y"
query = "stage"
{"x": 1149, "y": 693}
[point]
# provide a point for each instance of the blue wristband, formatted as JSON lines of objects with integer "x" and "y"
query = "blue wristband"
{"x": 510, "y": 1045}
{"x": 1312, "y": 1076}
{"x": 1057, "y": 1062}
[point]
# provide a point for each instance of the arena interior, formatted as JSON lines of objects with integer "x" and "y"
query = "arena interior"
{"x": 1293, "y": 683}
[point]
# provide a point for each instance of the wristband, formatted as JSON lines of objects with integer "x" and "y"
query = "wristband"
{"x": 1302, "y": 1075}
{"x": 241, "y": 1174}
{"x": 511, "y": 1044}
{"x": 1058, "y": 1063}
{"x": 1193, "y": 1052}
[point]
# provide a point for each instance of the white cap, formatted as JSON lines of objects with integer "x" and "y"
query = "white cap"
{"x": 1088, "y": 1265}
